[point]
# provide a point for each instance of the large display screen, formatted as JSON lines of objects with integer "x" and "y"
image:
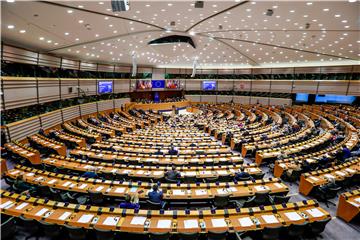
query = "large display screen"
{"x": 209, "y": 85}
{"x": 302, "y": 97}
{"x": 143, "y": 84}
{"x": 328, "y": 98}
{"x": 105, "y": 87}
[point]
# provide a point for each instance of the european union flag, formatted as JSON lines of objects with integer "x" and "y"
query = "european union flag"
{"x": 158, "y": 83}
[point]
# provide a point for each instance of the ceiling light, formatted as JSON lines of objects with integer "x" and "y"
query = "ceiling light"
{"x": 292, "y": 11}
{"x": 76, "y": 39}
{"x": 67, "y": 33}
{"x": 49, "y": 41}
{"x": 41, "y": 38}
{"x": 81, "y": 21}
{"x": 96, "y": 35}
{"x": 69, "y": 11}
{"x": 352, "y": 1}
{"x": 101, "y": 3}
{"x": 214, "y": 5}
{"x": 309, "y": 3}
{"x": 275, "y": 7}
{"x": 325, "y": 9}
{"x": 192, "y": 33}
{"x": 80, "y": 6}
{"x": 106, "y": 18}
{"x": 56, "y": 43}
{"x": 337, "y": 15}
{"x": 22, "y": 31}
{"x": 10, "y": 1}
{"x": 169, "y": 4}
{"x": 10, "y": 26}
{"x": 344, "y": 21}
{"x": 147, "y": 5}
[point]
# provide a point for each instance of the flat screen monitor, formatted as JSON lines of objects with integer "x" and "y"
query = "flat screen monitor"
{"x": 302, "y": 97}
{"x": 105, "y": 87}
{"x": 328, "y": 98}
{"x": 209, "y": 85}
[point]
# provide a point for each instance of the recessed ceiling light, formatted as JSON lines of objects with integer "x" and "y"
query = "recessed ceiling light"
{"x": 81, "y": 21}
{"x": 41, "y": 38}
{"x": 96, "y": 35}
{"x": 325, "y": 9}
{"x": 56, "y": 43}
{"x": 192, "y": 33}
{"x": 309, "y": 3}
{"x": 10, "y": 1}
{"x": 106, "y": 18}
{"x": 214, "y": 5}
{"x": 101, "y": 3}
{"x": 22, "y": 31}
{"x": 274, "y": 6}
{"x": 352, "y": 1}
{"x": 337, "y": 15}
{"x": 76, "y": 39}
{"x": 67, "y": 33}
{"x": 169, "y": 4}
{"x": 344, "y": 21}
{"x": 49, "y": 41}
{"x": 70, "y": 11}
{"x": 292, "y": 11}
{"x": 10, "y": 26}
{"x": 346, "y": 26}
{"x": 80, "y": 6}
{"x": 147, "y": 5}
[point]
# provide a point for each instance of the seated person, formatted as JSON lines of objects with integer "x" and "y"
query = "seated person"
{"x": 131, "y": 202}
{"x": 21, "y": 186}
{"x": 345, "y": 152}
{"x": 173, "y": 151}
{"x": 172, "y": 174}
{"x": 155, "y": 195}
{"x": 158, "y": 152}
{"x": 90, "y": 174}
{"x": 241, "y": 174}
{"x": 42, "y": 132}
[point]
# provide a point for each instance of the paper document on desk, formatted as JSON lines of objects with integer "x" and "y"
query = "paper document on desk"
{"x": 218, "y": 222}
{"x": 222, "y": 191}
{"x": 157, "y": 173}
{"x": 192, "y": 223}
{"x": 314, "y": 179}
{"x": 99, "y": 188}
{"x": 278, "y": 185}
{"x": 164, "y": 224}
{"x": 120, "y": 190}
{"x": 329, "y": 176}
{"x": 245, "y": 222}
{"x": 66, "y": 184}
{"x": 4, "y": 205}
{"x": 64, "y": 216}
{"x": 52, "y": 181}
{"x": 41, "y": 212}
{"x": 199, "y": 192}
{"x": 85, "y": 218}
{"x": 138, "y": 220}
{"x": 261, "y": 188}
{"x": 270, "y": 218}
{"x": 222, "y": 172}
{"x": 357, "y": 199}
{"x": 340, "y": 173}
{"x": 111, "y": 221}
{"x": 293, "y": 216}
{"x": 21, "y": 206}
{"x": 350, "y": 170}
{"x": 315, "y": 212}
{"x": 178, "y": 192}
{"x": 82, "y": 186}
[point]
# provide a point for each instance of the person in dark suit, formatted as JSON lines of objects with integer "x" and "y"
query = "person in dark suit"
{"x": 173, "y": 174}
{"x": 173, "y": 151}
{"x": 242, "y": 174}
{"x": 155, "y": 195}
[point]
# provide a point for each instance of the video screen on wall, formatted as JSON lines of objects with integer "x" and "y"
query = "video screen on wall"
{"x": 328, "y": 98}
{"x": 105, "y": 87}
{"x": 302, "y": 97}
{"x": 143, "y": 84}
{"x": 173, "y": 84}
{"x": 209, "y": 85}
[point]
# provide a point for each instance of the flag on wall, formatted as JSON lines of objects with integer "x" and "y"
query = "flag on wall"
{"x": 158, "y": 83}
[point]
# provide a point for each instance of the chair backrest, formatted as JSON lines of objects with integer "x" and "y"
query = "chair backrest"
{"x": 160, "y": 236}
{"x": 104, "y": 234}
{"x": 212, "y": 235}
{"x": 9, "y": 181}
{"x": 96, "y": 197}
{"x": 152, "y": 205}
{"x": 168, "y": 180}
{"x": 212, "y": 180}
{"x": 259, "y": 175}
{"x": 221, "y": 200}
{"x": 262, "y": 198}
{"x": 271, "y": 233}
{"x": 76, "y": 233}
{"x": 281, "y": 199}
{"x": 190, "y": 179}
{"x": 188, "y": 236}
{"x": 318, "y": 227}
{"x": 297, "y": 229}
{"x": 8, "y": 228}
{"x": 50, "y": 230}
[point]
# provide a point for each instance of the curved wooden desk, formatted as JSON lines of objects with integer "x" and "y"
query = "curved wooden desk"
{"x": 160, "y": 106}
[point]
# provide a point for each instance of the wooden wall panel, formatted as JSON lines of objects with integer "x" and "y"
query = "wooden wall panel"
{"x": 19, "y": 92}
{"x": 122, "y": 85}
{"x": 208, "y": 98}
{"x": 260, "y": 86}
{"x": 261, "y": 100}
{"x": 105, "y": 105}
{"x": 354, "y": 88}
{"x": 121, "y": 101}
{"x": 88, "y": 86}
{"x": 193, "y": 98}
{"x": 88, "y": 108}
{"x": 71, "y": 113}
{"x": 48, "y": 89}
{"x": 225, "y": 85}
{"x": 281, "y": 86}
{"x": 241, "y": 99}
{"x": 224, "y": 99}
{"x": 242, "y": 85}
{"x": 68, "y": 84}
{"x": 51, "y": 119}
{"x": 338, "y": 87}
{"x": 193, "y": 84}
{"x": 305, "y": 86}
{"x": 21, "y": 129}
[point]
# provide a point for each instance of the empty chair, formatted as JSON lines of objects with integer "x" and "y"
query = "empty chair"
{"x": 280, "y": 199}
{"x": 211, "y": 180}
{"x": 271, "y": 233}
{"x": 30, "y": 227}
{"x": 51, "y": 230}
{"x": 213, "y": 235}
{"x": 154, "y": 206}
{"x": 160, "y": 236}
{"x": 188, "y": 236}
{"x": 327, "y": 192}
{"x": 317, "y": 227}
{"x": 8, "y": 227}
{"x": 221, "y": 201}
{"x": 96, "y": 198}
{"x": 9, "y": 181}
{"x": 104, "y": 234}
{"x": 76, "y": 233}
{"x": 296, "y": 230}
{"x": 262, "y": 198}
{"x": 190, "y": 179}
{"x": 258, "y": 175}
